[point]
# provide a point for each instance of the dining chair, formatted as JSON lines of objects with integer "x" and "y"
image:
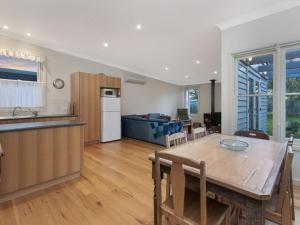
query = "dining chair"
{"x": 279, "y": 208}
{"x": 172, "y": 141}
{"x": 176, "y": 139}
{"x": 198, "y": 132}
{"x": 186, "y": 207}
{"x": 290, "y": 143}
{"x": 1, "y": 155}
{"x": 252, "y": 134}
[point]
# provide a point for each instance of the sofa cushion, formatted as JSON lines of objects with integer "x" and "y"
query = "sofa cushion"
{"x": 158, "y": 120}
{"x": 147, "y": 116}
{"x": 165, "y": 128}
{"x": 133, "y": 117}
{"x": 154, "y": 115}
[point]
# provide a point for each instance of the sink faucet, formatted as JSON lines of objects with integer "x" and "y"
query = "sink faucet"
{"x": 15, "y": 110}
{"x": 35, "y": 113}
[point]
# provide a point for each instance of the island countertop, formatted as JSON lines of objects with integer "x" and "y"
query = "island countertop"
{"x": 37, "y": 125}
{"x": 40, "y": 116}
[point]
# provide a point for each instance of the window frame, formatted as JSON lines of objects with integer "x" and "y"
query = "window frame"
{"x": 40, "y": 80}
{"x": 39, "y": 77}
{"x": 279, "y": 86}
{"x": 188, "y": 101}
{"x": 255, "y": 53}
{"x": 253, "y": 93}
{"x": 283, "y": 49}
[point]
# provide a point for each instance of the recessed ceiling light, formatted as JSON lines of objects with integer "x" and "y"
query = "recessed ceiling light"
{"x": 5, "y": 27}
{"x": 139, "y": 27}
{"x": 250, "y": 59}
{"x": 28, "y": 34}
{"x": 166, "y": 68}
{"x": 265, "y": 72}
{"x": 198, "y": 62}
{"x": 105, "y": 44}
{"x": 186, "y": 76}
{"x": 216, "y": 72}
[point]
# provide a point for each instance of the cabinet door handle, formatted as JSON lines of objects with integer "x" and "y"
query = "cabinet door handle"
{"x": 1, "y": 155}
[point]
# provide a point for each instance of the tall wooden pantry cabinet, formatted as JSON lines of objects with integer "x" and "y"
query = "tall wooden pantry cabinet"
{"x": 85, "y": 95}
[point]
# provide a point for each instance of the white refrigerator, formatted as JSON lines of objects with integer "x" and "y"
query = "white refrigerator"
{"x": 110, "y": 115}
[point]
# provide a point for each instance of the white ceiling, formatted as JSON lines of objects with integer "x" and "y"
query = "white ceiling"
{"x": 175, "y": 33}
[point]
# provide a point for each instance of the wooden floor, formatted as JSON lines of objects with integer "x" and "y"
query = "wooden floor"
{"x": 115, "y": 189}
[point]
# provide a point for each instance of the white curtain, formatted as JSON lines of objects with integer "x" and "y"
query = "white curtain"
{"x": 21, "y": 55}
{"x": 25, "y": 94}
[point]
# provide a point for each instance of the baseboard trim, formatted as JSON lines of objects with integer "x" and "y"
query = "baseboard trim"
{"x": 38, "y": 187}
{"x": 87, "y": 143}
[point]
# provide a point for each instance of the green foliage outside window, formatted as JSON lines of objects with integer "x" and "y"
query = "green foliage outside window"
{"x": 193, "y": 101}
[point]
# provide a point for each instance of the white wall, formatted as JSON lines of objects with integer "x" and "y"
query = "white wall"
{"x": 205, "y": 100}
{"x": 278, "y": 28}
{"x": 155, "y": 96}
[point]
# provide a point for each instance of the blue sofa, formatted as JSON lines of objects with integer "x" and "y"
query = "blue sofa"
{"x": 150, "y": 128}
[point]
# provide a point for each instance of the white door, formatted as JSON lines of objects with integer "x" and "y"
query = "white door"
{"x": 110, "y": 126}
{"x": 109, "y": 104}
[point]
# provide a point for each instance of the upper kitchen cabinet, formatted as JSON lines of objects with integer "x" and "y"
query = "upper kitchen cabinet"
{"x": 85, "y": 94}
{"x": 109, "y": 82}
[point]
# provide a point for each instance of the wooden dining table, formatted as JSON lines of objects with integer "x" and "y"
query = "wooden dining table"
{"x": 243, "y": 179}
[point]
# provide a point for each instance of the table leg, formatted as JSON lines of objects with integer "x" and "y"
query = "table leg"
{"x": 254, "y": 212}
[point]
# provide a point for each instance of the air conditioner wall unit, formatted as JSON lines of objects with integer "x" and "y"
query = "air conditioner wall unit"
{"x": 136, "y": 80}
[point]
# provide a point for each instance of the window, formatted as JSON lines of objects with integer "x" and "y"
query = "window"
{"x": 292, "y": 97}
{"x": 19, "y": 83}
{"x": 259, "y": 87}
{"x": 18, "y": 69}
{"x": 193, "y": 101}
{"x": 255, "y": 93}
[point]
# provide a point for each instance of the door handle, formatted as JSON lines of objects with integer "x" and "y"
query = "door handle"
{"x": 1, "y": 156}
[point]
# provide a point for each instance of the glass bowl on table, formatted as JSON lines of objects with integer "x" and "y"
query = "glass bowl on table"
{"x": 234, "y": 144}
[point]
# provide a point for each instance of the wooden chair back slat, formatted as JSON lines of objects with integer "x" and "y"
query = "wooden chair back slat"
{"x": 285, "y": 178}
{"x": 178, "y": 186}
{"x": 252, "y": 134}
{"x": 176, "y": 139}
{"x": 158, "y": 189}
{"x": 180, "y": 160}
{"x": 198, "y": 132}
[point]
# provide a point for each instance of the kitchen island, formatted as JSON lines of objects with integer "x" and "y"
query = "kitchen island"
{"x": 36, "y": 118}
{"x": 39, "y": 155}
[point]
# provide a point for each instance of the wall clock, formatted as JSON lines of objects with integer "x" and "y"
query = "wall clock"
{"x": 58, "y": 83}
